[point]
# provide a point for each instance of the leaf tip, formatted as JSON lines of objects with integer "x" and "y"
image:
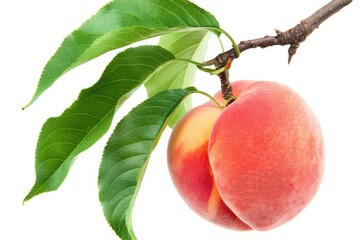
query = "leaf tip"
{"x": 26, "y": 106}
{"x": 33, "y": 192}
{"x": 29, "y": 103}
{"x": 29, "y": 196}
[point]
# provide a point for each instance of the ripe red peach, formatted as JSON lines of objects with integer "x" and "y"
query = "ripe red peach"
{"x": 252, "y": 165}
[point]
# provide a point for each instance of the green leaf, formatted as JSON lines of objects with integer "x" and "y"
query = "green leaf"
{"x": 185, "y": 45}
{"x": 118, "y": 24}
{"x": 89, "y": 117}
{"x": 126, "y": 156}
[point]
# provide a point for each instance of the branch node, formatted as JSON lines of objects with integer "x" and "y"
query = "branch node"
{"x": 281, "y": 35}
{"x": 292, "y": 51}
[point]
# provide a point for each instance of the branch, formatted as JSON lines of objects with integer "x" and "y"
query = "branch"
{"x": 293, "y": 37}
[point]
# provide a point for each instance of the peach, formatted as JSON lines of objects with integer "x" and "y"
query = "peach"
{"x": 253, "y": 165}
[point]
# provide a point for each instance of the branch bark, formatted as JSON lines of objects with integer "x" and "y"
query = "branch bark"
{"x": 292, "y": 37}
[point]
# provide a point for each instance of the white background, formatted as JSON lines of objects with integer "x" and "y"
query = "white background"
{"x": 325, "y": 71}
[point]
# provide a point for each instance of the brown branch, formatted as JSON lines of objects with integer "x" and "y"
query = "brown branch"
{"x": 293, "y": 37}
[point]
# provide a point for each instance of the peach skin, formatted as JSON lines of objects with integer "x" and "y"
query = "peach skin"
{"x": 190, "y": 169}
{"x": 252, "y": 165}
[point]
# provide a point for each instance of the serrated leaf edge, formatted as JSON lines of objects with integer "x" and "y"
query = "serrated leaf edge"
{"x": 142, "y": 170}
{"x": 71, "y": 156}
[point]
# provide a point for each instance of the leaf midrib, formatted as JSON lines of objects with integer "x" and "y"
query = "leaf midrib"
{"x": 71, "y": 157}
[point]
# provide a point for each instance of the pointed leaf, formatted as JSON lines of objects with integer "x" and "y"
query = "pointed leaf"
{"x": 118, "y": 24}
{"x": 81, "y": 125}
{"x": 126, "y": 156}
{"x": 186, "y": 45}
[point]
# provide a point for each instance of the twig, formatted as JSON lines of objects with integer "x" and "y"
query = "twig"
{"x": 293, "y": 37}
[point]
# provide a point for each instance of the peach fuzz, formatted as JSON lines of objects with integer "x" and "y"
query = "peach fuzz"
{"x": 189, "y": 165}
{"x": 252, "y": 165}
